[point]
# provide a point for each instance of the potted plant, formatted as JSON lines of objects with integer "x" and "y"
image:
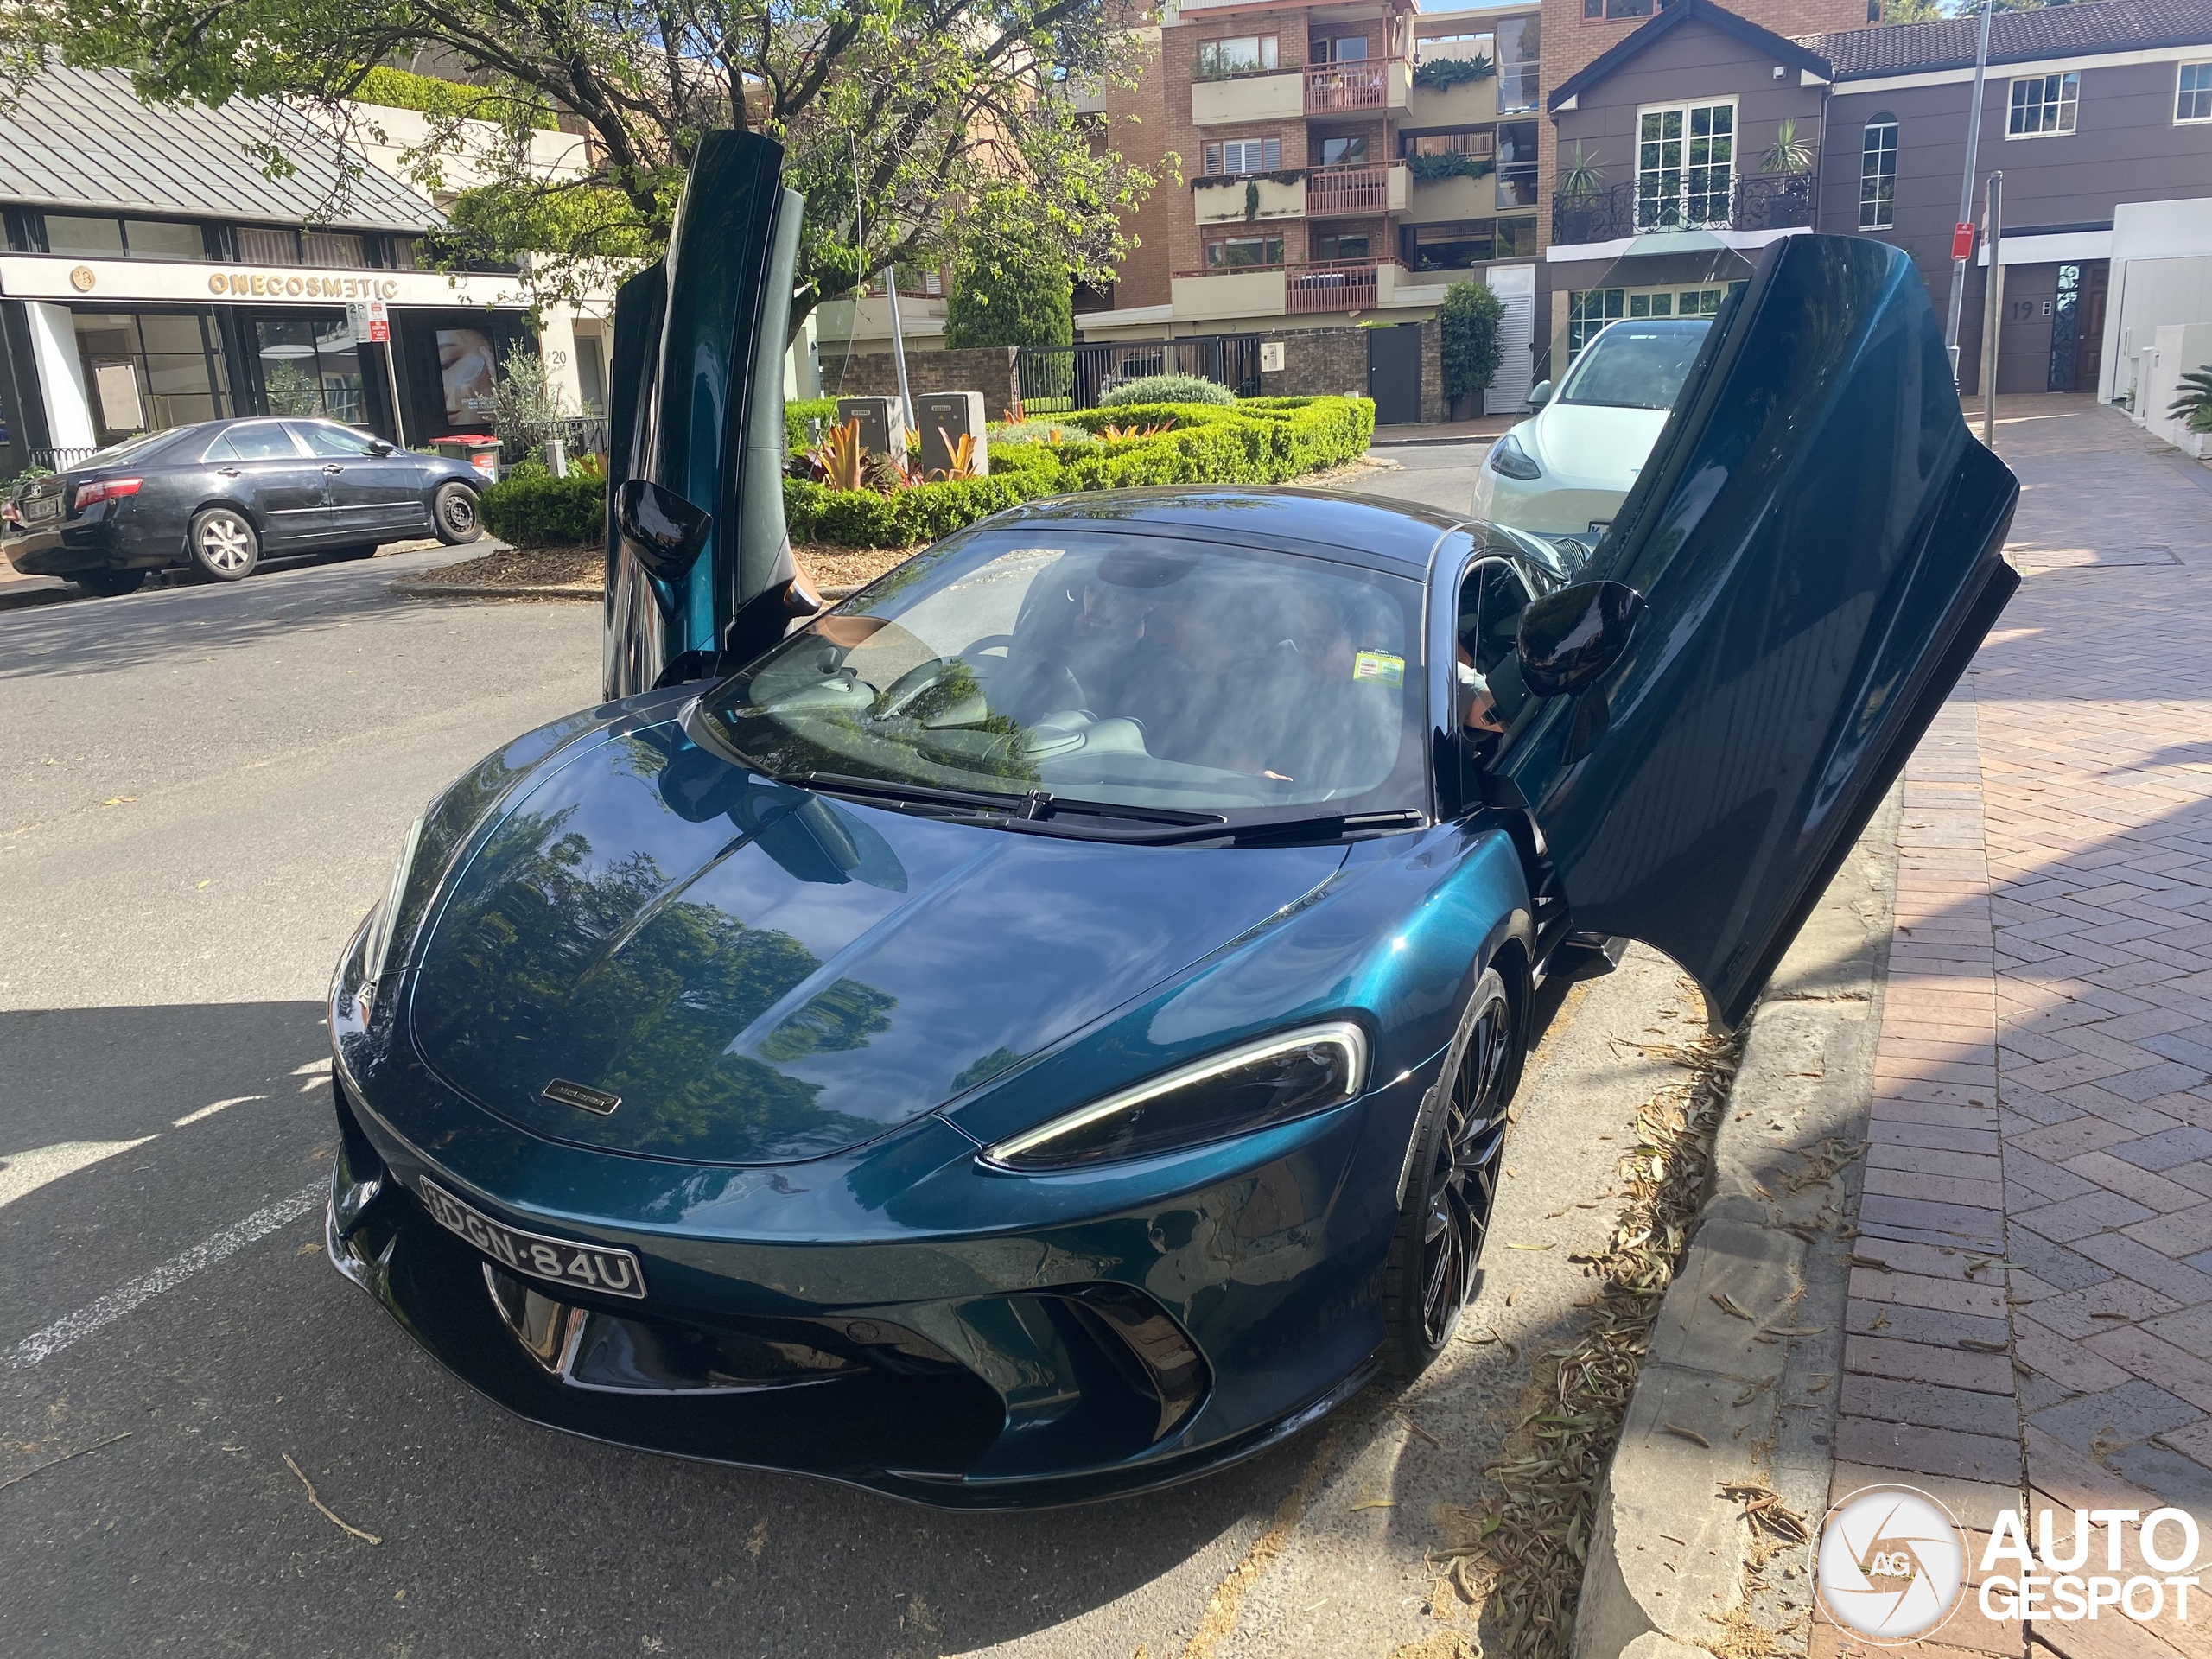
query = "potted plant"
{"x": 1580, "y": 180}
{"x": 1789, "y": 158}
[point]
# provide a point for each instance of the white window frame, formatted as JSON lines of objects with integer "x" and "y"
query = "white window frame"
{"x": 1216, "y": 156}
{"x": 2205, "y": 91}
{"x": 2069, "y": 81}
{"x": 1267, "y": 48}
{"x": 1682, "y": 107}
{"x": 1888, "y": 220}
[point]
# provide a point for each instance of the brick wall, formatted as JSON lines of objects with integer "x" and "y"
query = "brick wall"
{"x": 987, "y": 369}
{"x": 1332, "y": 362}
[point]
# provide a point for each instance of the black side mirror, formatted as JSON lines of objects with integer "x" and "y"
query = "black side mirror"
{"x": 1539, "y": 394}
{"x": 1568, "y": 638}
{"x": 662, "y": 530}
{"x": 378, "y": 446}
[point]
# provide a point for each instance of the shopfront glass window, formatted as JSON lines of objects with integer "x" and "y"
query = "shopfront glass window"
{"x": 94, "y": 238}
{"x": 310, "y": 366}
{"x": 161, "y": 238}
{"x": 258, "y": 246}
{"x": 146, "y": 371}
{"x": 334, "y": 252}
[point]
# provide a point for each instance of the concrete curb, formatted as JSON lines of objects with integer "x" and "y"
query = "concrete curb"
{"x": 1668, "y": 1552}
{"x": 22, "y": 595}
{"x": 409, "y": 588}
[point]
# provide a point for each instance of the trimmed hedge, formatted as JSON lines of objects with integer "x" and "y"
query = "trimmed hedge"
{"x": 537, "y": 509}
{"x": 1260, "y": 440}
{"x": 797, "y": 414}
{"x": 1168, "y": 389}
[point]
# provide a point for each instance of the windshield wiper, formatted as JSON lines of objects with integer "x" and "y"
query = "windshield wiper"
{"x": 1327, "y": 826}
{"x": 885, "y": 789}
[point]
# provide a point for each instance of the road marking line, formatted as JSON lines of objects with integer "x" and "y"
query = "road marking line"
{"x": 24, "y": 1173}
{"x": 210, "y": 1111}
{"x": 44, "y": 1344}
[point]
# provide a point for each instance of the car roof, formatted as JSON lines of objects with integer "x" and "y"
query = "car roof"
{"x": 1362, "y": 529}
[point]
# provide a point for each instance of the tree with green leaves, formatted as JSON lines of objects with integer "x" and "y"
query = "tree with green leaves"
{"x": 1008, "y": 286}
{"x": 1470, "y": 317}
{"x": 897, "y": 116}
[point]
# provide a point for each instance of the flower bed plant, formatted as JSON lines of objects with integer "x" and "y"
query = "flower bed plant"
{"x": 1258, "y": 441}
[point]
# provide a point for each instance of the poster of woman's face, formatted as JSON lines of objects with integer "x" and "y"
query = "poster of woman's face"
{"x": 466, "y": 362}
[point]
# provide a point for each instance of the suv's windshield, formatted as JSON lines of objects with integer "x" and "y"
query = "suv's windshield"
{"x": 1636, "y": 364}
{"x": 1101, "y": 665}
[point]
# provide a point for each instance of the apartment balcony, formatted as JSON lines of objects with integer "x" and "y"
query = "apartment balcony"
{"x": 1245, "y": 99}
{"x": 1458, "y": 197}
{"x": 1375, "y": 188}
{"x": 1470, "y": 103}
{"x": 1338, "y": 88}
{"x": 1249, "y": 198}
{"x": 1316, "y": 288}
{"x": 1760, "y": 202}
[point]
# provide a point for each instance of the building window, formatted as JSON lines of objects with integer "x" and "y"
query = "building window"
{"x": 1351, "y": 152}
{"x": 1677, "y": 302}
{"x": 1241, "y": 54}
{"x": 2042, "y": 104}
{"x": 1457, "y": 141}
{"x": 1685, "y": 167}
{"x": 1878, "y": 173}
{"x": 149, "y": 371}
{"x": 1592, "y": 10}
{"x": 1519, "y": 43}
{"x": 1243, "y": 252}
{"x": 1244, "y": 156}
{"x": 1450, "y": 245}
{"x": 1341, "y": 247}
{"x": 1516, "y": 237}
{"x": 1589, "y": 309}
{"x": 1517, "y": 164}
{"x": 2193, "y": 96}
{"x": 332, "y": 251}
{"x": 104, "y": 237}
{"x": 1351, "y": 49}
{"x": 309, "y": 366}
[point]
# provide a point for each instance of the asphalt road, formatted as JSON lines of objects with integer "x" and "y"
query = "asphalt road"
{"x": 204, "y": 791}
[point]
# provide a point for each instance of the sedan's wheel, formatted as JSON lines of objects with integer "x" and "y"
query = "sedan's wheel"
{"x": 109, "y": 584}
{"x": 369, "y": 551}
{"x": 223, "y": 544}
{"x": 452, "y": 514}
{"x": 1446, "y": 1213}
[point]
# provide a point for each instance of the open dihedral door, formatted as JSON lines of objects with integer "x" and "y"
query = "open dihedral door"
{"x": 1818, "y": 544}
{"x": 699, "y": 565}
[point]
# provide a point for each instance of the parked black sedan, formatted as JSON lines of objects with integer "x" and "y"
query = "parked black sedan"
{"x": 220, "y": 494}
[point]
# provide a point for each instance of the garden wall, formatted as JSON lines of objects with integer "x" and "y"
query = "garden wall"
{"x": 1332, "y": 362}
{"x": 987, "y": 369}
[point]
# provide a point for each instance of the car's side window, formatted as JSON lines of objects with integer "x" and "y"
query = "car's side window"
{"x": 222, "y": 450}
{"x": 324, "y": 439}
{"x": 1488, "y": 689}
{"x": 262, "y": 441}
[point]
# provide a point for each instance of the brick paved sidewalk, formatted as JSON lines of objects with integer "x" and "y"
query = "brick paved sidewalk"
{"x": 2041, "y": 1094}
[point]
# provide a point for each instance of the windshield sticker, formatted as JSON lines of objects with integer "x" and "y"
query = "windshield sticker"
{"x": 1378, "y": 668}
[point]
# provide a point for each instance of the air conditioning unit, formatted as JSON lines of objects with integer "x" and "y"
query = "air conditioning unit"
{"x": 945, "y": 418}
{"x": 883, "y": 424}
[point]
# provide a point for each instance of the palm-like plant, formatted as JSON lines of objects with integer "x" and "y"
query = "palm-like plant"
{"x": 1581, "y": 177}
{"x": 1788, "y": 154}
{"x": 842, "y": 462}
{"x": 2195, "y": 399}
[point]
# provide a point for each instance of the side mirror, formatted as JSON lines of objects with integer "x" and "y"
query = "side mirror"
{"x": 1539, "y": 394}
{"x": 378, "y": 446}
{"x": 662, "y": 531}
{"x": 1568, "y": 638}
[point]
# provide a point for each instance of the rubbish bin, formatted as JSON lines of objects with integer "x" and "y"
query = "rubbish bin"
{"x": 477, "y": 449}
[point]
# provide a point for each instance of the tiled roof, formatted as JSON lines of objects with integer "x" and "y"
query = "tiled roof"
{"x": 80, "y": 138}
{"x": 2056, "y": 31}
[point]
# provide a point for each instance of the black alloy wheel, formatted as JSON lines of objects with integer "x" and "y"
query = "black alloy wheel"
{"x": 1444, "y": 1214}
{"x": 110, "y": 584}
{"x": 452, "y": 514}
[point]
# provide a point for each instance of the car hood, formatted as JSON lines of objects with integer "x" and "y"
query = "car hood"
{"x": 1593, "y": 447}
{"x": 760, "y": 974}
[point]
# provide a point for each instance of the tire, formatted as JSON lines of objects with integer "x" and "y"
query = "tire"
{"x": 110, "y": 584}
{"x": 1444, "y": 1215}
{"x": 452, "y": 514}
{"x": 368, "y": 552}
{"x": 223, "y": 544}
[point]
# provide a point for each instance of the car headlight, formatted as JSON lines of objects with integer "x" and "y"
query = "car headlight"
{"x": 1507, "y": 457}
{"x": 380, "y": 928}
{"x": 1251, "y": 1086}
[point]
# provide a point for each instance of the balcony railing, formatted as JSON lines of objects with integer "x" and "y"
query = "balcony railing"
{"x": 1335, "y": 190}
{"x": 1760, "y": 202}
{"x": 1333, "y": 285}
{"x": 1333, "y": 86}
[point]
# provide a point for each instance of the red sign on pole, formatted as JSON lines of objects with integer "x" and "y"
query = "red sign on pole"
{"x": 379, "y": 323}
{"x": 1963, "y": 241}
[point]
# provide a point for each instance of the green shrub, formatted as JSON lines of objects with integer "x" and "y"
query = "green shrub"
{"x": 402, "y": 89}
{"x": 1257, "y": 440}
{"x": 1168, "y": 389}
{"x": 1035, "y": 430}
{"x": 537, "y": 509}
{"x": 797, "y": 413}
{"x": 1439, "y": 72}
{"x": 1470, "y": 318}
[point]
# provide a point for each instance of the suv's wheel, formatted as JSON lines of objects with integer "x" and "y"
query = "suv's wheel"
{"x": 223, "y": 544}
{"x": 452, "y": 514}
{"x": 1446, "y": 1213}
{"x": 110, "y": 584}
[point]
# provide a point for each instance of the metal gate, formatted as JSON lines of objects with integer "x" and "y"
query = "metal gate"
{"x": 1393, "y": 373}
{"x": 1055, "y": 379}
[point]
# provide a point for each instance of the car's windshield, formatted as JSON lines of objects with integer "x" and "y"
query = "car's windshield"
{"x": 1100, "y": 664}
{"x": 1636, "y": 364}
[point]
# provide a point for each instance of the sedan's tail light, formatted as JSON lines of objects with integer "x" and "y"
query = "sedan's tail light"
{"x": 105, "y": 489}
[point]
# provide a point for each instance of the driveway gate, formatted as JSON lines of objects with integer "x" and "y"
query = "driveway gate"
{"x": 1057, "y": 379}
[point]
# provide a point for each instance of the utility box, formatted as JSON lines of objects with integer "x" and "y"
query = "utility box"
{"x": 945, "y": 418}
{"x": 883, "y": 424}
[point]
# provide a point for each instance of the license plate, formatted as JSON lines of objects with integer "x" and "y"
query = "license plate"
{"x": 563, "y": 1262}
{"x": 40, "y": 507}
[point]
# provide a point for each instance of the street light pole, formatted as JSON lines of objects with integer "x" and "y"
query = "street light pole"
{"x": 1963, "y": 231}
